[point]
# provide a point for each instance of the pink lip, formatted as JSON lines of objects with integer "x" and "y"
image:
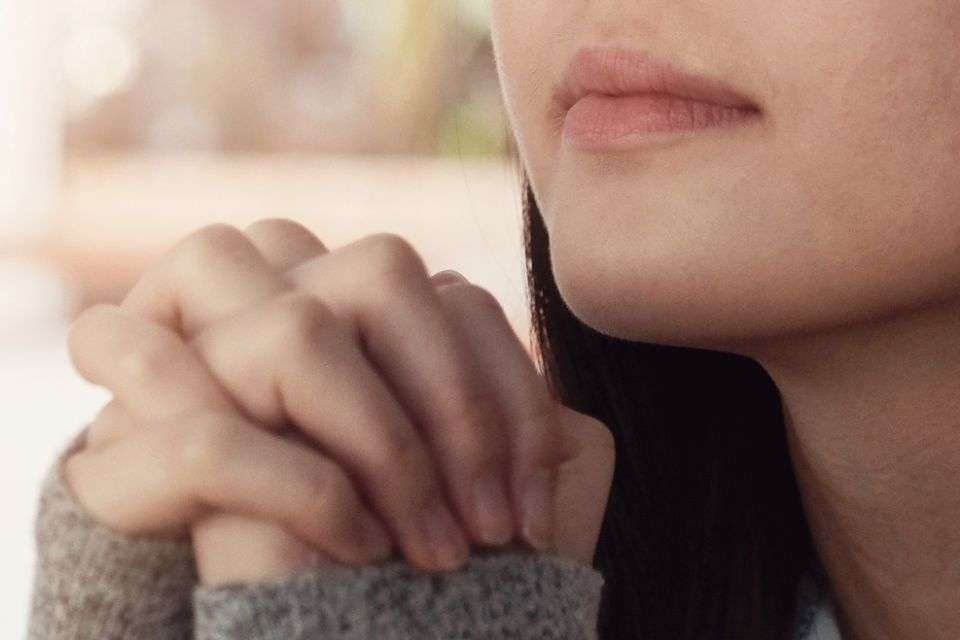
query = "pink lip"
{"x": 613, "y": 97}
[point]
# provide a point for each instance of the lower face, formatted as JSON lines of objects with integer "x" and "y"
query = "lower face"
{"x": 839, "y": 204}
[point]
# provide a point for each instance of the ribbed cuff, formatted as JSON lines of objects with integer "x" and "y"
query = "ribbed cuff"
{"x": 91, "y": 582}
{"x": 496, "y": 594}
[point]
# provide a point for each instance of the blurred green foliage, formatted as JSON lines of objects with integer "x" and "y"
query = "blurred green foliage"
{"x": 301, "y": 76}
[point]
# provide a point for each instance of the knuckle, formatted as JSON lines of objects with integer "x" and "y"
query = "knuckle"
{"x": 586, "y": 432}
{"x": 327, "y": 489}
{"x": 202, "y": 443}
{"x": 543, "y": 436}
{"x": 476, "y": 456}
{"x": 541, "y": 417}
{"x": 285, "y": 229}
{"x": 471, "y": 294}
{"x": 98, "y": 433}
{"x": 319, "y": 503}
{"x": 139, "y": 364}
{"x": 335, "y": 520}
{"x": 331, "y": 504}
{"x": 110, "y": 423}
{"x": 392, "y": 451}
{"x": 299, "y": 310}
{"x": 601, "y": 435}
{"x": 212, "y": 243}
{"x": 277, "y": 227}
{"x": 393, "y": 259}
{"x": 478, "y": 417}
{"x": 299, "y": 318}
{"x": 89, "y": 319}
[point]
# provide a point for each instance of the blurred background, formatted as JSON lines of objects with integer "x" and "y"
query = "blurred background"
{"x": 127, "y": 124}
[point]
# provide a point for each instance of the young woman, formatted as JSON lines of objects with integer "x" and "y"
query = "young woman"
{"x": 742, "y": 230}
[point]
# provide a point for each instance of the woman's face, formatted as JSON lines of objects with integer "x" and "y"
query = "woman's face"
{"x": 843, "y": 204}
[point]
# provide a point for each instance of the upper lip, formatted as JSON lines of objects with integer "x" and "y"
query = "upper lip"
{"x": 621, "y": 71}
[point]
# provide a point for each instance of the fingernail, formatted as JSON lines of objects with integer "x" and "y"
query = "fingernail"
{"x": 538, "y": 510}
{"x": 492, "y": 510}
{"x": 449, "y": 547}
{"x": 449, "y": 276}
{"x": 373, "y": 537}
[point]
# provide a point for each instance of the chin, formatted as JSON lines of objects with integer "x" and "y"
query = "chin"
{"x": 650, "y": 300}
{"x": 643, "y": 288}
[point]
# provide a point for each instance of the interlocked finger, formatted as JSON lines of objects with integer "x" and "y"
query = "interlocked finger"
{"x": 530, "y": 413}
{"x": 157, "y": 478}
{"x": 218, "y": 276}
{"x": 325, "y": 383}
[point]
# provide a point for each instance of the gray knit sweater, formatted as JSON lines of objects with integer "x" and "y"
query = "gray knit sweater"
{"x": 91, "y": 582}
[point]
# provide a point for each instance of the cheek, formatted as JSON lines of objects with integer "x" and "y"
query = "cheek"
{"x": 530, "y": 40}
{"x": 511, "y": 24}
{"x": 874, "y": 142}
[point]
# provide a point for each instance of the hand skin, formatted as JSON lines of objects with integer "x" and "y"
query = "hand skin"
{"x": 227, "y": 337}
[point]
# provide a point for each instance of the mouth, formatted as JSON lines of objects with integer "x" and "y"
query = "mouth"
{"x": 613, "y": 97}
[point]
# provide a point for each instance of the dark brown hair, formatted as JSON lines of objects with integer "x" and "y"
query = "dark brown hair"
{"x": 704, "y": 535}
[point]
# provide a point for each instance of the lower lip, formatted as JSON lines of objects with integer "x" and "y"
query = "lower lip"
{"x": 607, "y": 123}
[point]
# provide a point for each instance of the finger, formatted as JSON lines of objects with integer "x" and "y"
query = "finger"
{"x": 152, "y": 373}
{"x": 363, "y": 426}
{"x": 232, "y": 548}
{"x": 322, "y": 380}
{"x": 212, "y": 273}
{"x": 163, "y": 477}
{"x": 280, "y": 557}
{"x": 584, "y": 484}
{"x": 284, "y": 243}
{"x": 583, "y": 470}
{"x": 536, "y": 439}
{"x": 380, "y": 287}
{"x": 149, "y": 382}
{"x": 209, "y": 275}
{"x": 235, "y": 275}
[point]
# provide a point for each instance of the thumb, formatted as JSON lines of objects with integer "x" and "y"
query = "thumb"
{"x": 583, "y": 485}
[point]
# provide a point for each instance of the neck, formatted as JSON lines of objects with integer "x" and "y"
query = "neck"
{"x": 873, "y": 420}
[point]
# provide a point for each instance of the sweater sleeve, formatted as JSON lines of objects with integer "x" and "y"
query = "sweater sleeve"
{"x": 91, "y": 582}
{"x": 498, "y": 593}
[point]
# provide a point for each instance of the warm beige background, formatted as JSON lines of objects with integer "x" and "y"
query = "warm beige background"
{"x": 130, "y": 123}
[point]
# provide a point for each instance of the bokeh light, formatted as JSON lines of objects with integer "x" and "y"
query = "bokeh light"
{"x": 98, "y": 60}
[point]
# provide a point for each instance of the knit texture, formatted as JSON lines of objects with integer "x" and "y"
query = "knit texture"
{"x": 496, "y": 594}
{"x": 94, "y": 583}
{"x": 91, "y": 582}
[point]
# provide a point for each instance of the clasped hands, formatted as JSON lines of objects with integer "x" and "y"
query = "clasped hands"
{"x": 286, "y": 405}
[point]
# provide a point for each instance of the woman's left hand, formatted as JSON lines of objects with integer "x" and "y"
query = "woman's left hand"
{"x": 583, "y": 478}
